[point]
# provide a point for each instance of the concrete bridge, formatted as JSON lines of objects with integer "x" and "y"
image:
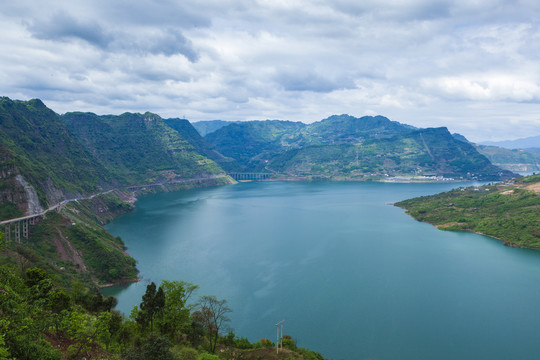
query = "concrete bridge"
{"x": 238, "y": 176}
{"x": 15, "y": 228}
{"x": 19, "y": 227}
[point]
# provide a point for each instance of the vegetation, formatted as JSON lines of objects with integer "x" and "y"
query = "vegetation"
{"x": 513, "y": 160}
{"x": 418, "y": 152}
{"x": 41, "y": 320}
{"x": 139, "y": 148}
{"x": 345, "y": 147}
{"x": 188, "y": 132}
{"x": 505, "y": 211}
{"x": 35, "y": 144}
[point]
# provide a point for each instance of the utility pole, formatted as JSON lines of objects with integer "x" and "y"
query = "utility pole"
{"x": 278, "y": 338}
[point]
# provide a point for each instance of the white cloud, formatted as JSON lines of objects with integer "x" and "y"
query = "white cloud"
{"x": 417, "y": 61}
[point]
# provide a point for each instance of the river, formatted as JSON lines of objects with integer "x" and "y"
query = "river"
{"x": 352, "y": 276}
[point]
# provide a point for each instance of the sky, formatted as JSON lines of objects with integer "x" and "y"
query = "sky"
{"x": 472, "y": 66}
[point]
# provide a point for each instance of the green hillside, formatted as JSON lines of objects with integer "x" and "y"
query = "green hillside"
{"x": 346, "y": 147}
{"x": 42, "y": 319}
{"x": 35, "y": 144}
{"x": 431, "y": 152}
{"x": 505, "y": 211}
{"x": 139, "y": 148}
{"x": 203, "y": 147}
{"x": 513, "y": 160}
{"x": 247, "y": 141}
{"x": 339, "y": 129}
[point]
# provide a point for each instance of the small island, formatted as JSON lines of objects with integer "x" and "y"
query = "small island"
{"x": 507, "y": 211}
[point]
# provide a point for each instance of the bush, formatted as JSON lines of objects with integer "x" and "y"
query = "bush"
{"x": 206, "y": 356}
{"x": 187, "y": 354}
{"x": 243, "y": 343}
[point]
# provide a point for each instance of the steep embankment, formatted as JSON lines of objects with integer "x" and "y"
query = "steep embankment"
{"x": 505, "y": 211}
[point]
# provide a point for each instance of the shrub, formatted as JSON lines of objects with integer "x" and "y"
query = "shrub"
{"x": 206, "y": 356}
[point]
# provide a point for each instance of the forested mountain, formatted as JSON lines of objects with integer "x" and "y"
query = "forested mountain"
{"x": 188, "y": 132}
{"x": 37, "y": 149}
{"x": 347, "y": 147}
{"x": 432, "y": 152}
{"x": 139, "y": 148}
{"x": 511, "y": 159}
{"x": 80, "y": 165}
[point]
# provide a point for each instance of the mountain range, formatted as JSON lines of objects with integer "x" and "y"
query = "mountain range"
{"x": 532, "y": 142}
{"x": 347, "y": 147}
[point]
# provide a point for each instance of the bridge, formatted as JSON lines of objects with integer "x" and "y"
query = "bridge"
{"x": 13, "y": 226}
{"x": 238, "y": 176}
{"x": 19, "y": 226}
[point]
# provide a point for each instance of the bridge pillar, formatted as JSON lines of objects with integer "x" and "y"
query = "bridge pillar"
{"x": 17, "y": 232}
{"x": 25, "y": 229}
{"x": 7, "y": 231}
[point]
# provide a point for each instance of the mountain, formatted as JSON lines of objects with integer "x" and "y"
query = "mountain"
{"x": 432, "y": 152}
{"x": 140, "y": 149}
{"x": 247, "y": 141}
{"x": 41, "y": 162}
{"x": 209, "y": 126}
{"x": 77, "y": 165}
{"x": 523, "y": 143}
{"x": 508, "y": 212}
{"x": 517, "y": 160}
{"x": 203, "y": 147}
{"x": 343, "y": 146}
{"x": 252, "y": 143}
{"x": 513, "y": 160}
{"x": 346, "y": 129}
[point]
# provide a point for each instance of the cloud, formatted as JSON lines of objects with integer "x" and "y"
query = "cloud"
{"x": 63, "y": 27}
{"x": 417, "y": 61}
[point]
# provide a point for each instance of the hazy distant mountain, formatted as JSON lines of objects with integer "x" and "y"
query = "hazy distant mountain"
{"x": 524, "y": 143}
{"x": 209, "y": 126}
{"x": 511, "y": 159}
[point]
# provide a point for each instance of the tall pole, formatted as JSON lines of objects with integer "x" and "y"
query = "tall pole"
{"x": 278, "y": 338}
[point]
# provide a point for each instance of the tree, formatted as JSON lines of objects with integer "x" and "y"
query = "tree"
{"x": 176, "y": 315}
{"x": 212, "y": 314}
{"x": 152, "y": 303}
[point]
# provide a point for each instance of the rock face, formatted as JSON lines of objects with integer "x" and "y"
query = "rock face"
{"x": 32, "y": 199}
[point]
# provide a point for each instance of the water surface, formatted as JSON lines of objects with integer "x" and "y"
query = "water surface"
{"x": 352, "y": 276}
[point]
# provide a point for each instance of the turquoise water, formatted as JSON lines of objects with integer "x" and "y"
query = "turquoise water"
{"x": 352, "y": 276}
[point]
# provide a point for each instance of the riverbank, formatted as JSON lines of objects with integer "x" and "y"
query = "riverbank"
{"x": 507, "y": 212}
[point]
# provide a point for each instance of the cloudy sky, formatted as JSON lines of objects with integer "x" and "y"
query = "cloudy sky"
{"x": 473, "y": 66}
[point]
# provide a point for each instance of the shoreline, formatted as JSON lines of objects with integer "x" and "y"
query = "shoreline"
{"x": 504, "y": 242}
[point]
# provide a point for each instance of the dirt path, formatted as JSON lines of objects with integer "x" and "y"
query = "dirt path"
{"x": 533, "y": 187}
{"x": 68, "y": 252}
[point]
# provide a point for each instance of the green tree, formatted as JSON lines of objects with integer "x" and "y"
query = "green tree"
{"x": 152, "y": 303}
{"x": 176, "y": 315}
